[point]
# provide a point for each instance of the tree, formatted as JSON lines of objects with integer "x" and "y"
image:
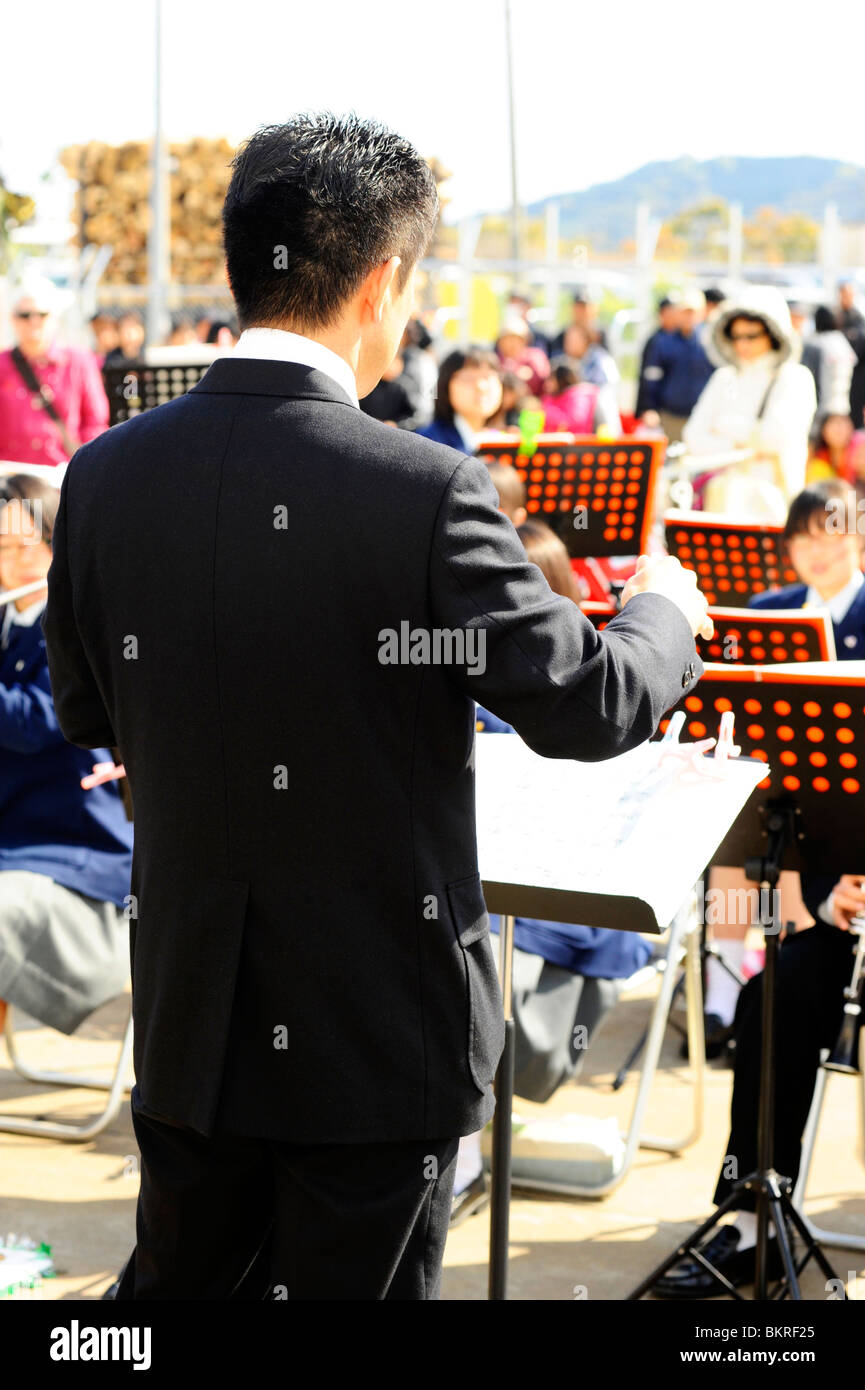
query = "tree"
{"x": 15, "y": 210}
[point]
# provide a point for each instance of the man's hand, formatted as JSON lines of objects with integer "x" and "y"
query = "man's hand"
{"x": 848, "y": 898}
{"x": 662, "y": 574}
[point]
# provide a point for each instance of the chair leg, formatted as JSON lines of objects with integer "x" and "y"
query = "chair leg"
{"x": 57, "y": 1129}
{"x": 835, "y": 1239}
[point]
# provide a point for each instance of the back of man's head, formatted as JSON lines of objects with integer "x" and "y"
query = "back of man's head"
{"x": 315, "y": 205}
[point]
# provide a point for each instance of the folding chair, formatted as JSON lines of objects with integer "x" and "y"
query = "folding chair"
{"x": 78, "y": 1133}
{"x": 836, "y": 1239}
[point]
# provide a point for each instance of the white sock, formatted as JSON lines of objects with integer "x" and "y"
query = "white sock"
{"x": 722, "y": 992}
{"x": 469, "y": 1161}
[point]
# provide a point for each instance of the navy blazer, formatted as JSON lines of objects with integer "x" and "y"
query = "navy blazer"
{"x": 440, "y": 432}
{"x": 48, "y": 823}
{"x": 849, "y": 634}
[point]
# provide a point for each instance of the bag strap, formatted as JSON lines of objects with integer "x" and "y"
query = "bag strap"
{"x": 765, "y": 400}
{"x": 32, "y": 382}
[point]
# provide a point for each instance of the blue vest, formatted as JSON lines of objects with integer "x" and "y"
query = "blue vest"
{"x": 48, "y": 823}
{"x": 849, "y": 634}
{"x": 595, "y": 952}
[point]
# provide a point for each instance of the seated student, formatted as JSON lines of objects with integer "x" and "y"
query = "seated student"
{"x": 830, "y": 450}
{"x": 814, "y": 964}
{"x": 576, "y": 406}
{"x": 566, "y": 978}
{"x": 65, "y": 853}
{"x": 510, "y": 488}
{"x": 825, "y": 548}
{"x": 390, "y": 401}
{"x": 516, "y": 397}
{"x": 469, "y": 394}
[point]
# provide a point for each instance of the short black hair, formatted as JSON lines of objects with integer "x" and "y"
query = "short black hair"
{"x": 813, "y": 501}
{"x": 713, "y": 295}
{"x": 313, "y": 206}
{"x": 453, "y": 363}
{"x": 824, "y": 319}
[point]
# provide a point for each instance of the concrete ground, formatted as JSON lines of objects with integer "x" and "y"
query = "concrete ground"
{"x": 80, "y": 1198}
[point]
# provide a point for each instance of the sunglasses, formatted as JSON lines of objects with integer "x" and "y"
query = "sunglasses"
{"x": 748, "y": 337}
{"x": 31, "y": 313}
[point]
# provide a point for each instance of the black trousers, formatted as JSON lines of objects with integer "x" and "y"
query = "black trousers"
{"x": 813, "y": 968}
{"x": 232, "y": 1217}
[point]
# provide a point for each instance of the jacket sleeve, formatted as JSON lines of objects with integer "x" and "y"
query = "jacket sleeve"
{"x": 569, "y": 691}
{"x": 93, "y": 412}
{"x": 652, "y": 373}
{"x": 815, "y": 889}
{"x": 706, "y": 432}
{"x": 27, "y": 719}
{"x": 785, "y": 425}
{"x": 80, "y": 709}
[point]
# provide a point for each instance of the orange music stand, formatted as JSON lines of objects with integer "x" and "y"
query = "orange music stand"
{"x": 734, "y": 560}
{"x": 808, "y": 724}
{"x": 606, "y": 486}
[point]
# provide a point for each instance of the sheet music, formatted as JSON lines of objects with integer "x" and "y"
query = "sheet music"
{"x": 639, "y": 825}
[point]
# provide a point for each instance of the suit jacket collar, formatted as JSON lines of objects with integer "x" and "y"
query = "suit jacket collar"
{"x": 258, "y": 376}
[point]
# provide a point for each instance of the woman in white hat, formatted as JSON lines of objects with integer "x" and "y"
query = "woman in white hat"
{"x": 761, "y": 398}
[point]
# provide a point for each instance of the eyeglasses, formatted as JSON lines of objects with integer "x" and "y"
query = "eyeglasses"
{"x": 748, "y": 337}
{"x": 31, "y": 313}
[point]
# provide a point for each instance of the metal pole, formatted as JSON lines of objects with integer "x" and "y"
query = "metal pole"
{"x": 158, "y": 263}
{"x": 515, "y": 206}
{"x": 735, "y": 244}
{"x": 500, "y": 1189}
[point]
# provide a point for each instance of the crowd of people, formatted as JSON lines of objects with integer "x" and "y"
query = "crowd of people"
{"x": 747, "y": 373}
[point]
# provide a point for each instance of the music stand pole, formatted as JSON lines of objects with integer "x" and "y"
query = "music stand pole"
{"x": 772, "y": 1192}
{"x": 500, "y": 1193}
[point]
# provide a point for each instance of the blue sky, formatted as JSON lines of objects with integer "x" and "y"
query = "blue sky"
{"x": 601, "y": 87}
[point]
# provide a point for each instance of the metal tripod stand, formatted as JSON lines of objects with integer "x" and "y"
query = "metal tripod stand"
{"x": 771, "y": 1190}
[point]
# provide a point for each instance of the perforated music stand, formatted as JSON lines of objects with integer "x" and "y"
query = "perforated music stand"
{"x": 607, "y": 486}
{"x": 804, "y": 723}
{"x": 768, "y": 637}
{"x": 733, "y": 560}
{"x": 134, "y": 387}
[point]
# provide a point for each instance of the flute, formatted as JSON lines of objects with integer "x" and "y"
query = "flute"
{"x": 10, "y": 595}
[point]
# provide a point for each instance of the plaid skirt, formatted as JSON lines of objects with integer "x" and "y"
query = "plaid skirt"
{"x": 62, "y": 954}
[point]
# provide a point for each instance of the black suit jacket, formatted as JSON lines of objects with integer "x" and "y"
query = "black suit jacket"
{"x": 311, "y": 956}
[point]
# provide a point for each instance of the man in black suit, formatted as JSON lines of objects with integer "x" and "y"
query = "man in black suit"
{"x": 282, "y": 612}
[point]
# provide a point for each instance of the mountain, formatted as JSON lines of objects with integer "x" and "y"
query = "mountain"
{"x": 604, "y": 214}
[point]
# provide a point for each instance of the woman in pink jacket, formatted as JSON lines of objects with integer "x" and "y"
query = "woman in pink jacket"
{"x": 51, "y": 397}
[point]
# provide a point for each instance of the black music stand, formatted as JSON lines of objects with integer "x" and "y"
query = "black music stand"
{"x": 134, "y": 387}
{"x": 597, "y": 494}
{"x": 617, "y": 812}
{"x": 733, "y": 560}
{"x": 802, "y": 723}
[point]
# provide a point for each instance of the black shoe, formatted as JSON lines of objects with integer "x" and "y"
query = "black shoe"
{"x": 718, "y": 1036}
{"x": 689, "y": 1279}
{"x": 471, "y": 1200}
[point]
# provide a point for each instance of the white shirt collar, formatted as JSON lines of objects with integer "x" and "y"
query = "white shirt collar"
{"x": 839, "y": 605}
{"x": 469, "y": 436}
{"x": 30, "y": 615}
{"x": 279, "y": 345}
